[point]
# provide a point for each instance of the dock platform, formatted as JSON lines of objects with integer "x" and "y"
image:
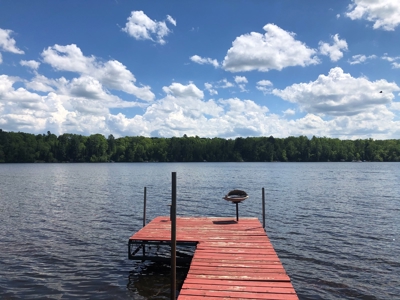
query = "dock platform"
{"x": 232, "y": 260}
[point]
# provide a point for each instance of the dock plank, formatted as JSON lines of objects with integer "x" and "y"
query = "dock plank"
{"x": 234, "y": 294}
{"x": 230, "y": 283}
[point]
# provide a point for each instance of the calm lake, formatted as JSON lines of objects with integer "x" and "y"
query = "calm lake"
{"x": 64, "y": 228}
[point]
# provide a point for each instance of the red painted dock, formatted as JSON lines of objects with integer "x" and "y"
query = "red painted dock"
{"x": 232, "y": 260}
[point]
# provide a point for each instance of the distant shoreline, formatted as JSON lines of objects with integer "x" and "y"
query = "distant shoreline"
{"x": 74, "y": 148}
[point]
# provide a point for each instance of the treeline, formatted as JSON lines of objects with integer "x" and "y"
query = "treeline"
{"x": 18, "y": 147}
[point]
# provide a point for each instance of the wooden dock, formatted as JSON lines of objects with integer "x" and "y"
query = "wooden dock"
{"x": 232, "y": 260}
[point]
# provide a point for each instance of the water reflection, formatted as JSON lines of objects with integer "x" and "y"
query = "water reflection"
{"x": 153, "y": 280}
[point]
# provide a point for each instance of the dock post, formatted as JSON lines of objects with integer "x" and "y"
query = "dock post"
{"x": 173, "y": 238}
{"x": 263, "y": 207}
{"x": 237, "y": 211}
{"x": 144, "y": 207}
{"x": 144, "y": 217}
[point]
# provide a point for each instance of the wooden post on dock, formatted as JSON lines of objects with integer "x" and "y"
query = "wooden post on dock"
{"x": 144, "y": 207}
{"x": 263, "y": 207}
{"x": 144, "y": 217}
{"x": 237, "y": 211}
{"x": 173, "y": 238}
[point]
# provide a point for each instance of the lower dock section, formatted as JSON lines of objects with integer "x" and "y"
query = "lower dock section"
{"x": 231, "y": 260}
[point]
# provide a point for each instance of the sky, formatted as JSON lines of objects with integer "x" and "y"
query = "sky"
{"x": 225, "y": 68}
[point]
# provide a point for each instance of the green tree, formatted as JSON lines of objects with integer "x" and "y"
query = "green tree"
{"x": 96, "y": 146}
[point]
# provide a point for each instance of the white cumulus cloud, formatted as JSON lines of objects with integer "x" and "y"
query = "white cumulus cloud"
{"x": 112, "y": 74}
{"x": 241, "y": 82}
{"x": 33, "y": 64}
{"x": 183, "y": 91}
{"x": 339, "y": 94}
{"x": 377, "y": 123}
{"x": 41, "y": 83}
{"x": 8, "y": 93}
{"x": 240, "y": 79}
{"x": 68, "y": 58}
{"x": 334, "y": 51}
{"x": 289, "y": 112}
{"x": 360, "y": 58}
{"x": 21, "y": 109}
{"x": 264, "y": 86}
{"x": 184, "y": 111}
{"x": 384, "y": 13}
{"x": 274, "y": 50}
{"x": 209, "y": 87}
{"x": 204, "y": 60}
{"x": 7, "y": 43}
{"x": 264, "y": 83}
{"x": 141, "y": 27}
{"x": 392, "y": 60}
{"x": 224, "y": 83}
{"x": 171, "y": 20}
{"x": 78, "y": 105}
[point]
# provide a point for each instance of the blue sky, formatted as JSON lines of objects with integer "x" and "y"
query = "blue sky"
{"x": 206, "y": 68}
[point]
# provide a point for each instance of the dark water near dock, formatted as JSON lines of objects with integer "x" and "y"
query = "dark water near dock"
{"x": 64, "y": 227}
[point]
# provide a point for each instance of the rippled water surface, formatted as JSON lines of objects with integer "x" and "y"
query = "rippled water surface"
{"x": 64, "y": 227}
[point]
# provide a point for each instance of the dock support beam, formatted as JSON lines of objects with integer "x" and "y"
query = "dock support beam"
{"x": 173, "y": 238}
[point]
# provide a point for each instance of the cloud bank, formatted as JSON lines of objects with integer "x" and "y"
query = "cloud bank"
{"x": 339, "y": 94}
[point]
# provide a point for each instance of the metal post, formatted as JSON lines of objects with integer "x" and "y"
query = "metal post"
{"x": 144, "y": 207}
{"x": 263, "y": 207}
{"x": 237, "y": 211}
{"x": 144, "y": 217}
{"x": 173, "y": 238}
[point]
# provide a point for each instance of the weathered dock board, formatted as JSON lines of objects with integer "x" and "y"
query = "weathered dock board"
{"x": 232, "y": 260}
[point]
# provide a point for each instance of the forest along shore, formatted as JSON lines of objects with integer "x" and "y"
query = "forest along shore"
{"x": 19, "y": 147}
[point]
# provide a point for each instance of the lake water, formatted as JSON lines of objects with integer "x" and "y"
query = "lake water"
{"x": 64, "y": 227}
